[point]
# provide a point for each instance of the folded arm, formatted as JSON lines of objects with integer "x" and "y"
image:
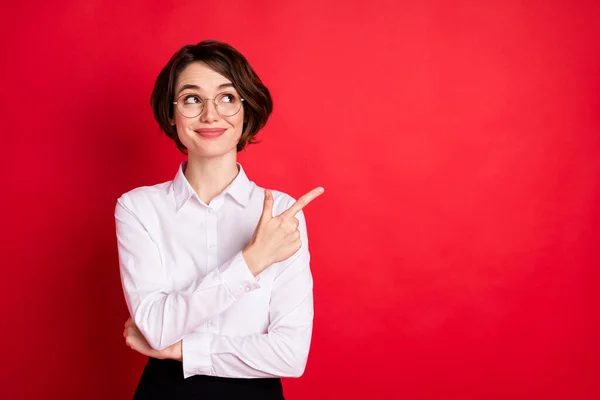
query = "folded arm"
{"x": 164, "y": 316}
{"x": 283, "y": 350}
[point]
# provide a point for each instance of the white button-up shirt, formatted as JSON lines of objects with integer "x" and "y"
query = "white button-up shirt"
{"x": 184, "y": 278}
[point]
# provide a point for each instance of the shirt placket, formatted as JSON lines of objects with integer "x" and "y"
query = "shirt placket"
{"x": 212, "y": 246}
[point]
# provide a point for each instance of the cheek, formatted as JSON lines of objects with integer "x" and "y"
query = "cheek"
{"x": 182, "y": 126}
{"x": 182, "y": 123}
{"x": 239, "y": 123}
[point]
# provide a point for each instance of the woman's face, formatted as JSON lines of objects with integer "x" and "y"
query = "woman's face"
{"x": 209, "y": 134}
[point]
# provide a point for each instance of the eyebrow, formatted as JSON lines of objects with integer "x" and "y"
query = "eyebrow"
{"x": 196, "y": 87}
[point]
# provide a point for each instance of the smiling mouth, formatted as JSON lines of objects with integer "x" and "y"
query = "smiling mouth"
{"x": 210, "y": 133}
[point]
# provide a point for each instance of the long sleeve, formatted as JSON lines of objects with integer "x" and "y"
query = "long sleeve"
{"x": 164, "y": 317}
{"x": 283, "y": 350}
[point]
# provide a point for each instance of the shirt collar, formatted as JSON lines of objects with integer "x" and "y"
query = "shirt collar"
{"x": 239, "y": 189}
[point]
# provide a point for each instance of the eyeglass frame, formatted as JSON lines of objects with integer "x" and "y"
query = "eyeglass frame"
{"x": 204, "y": 100}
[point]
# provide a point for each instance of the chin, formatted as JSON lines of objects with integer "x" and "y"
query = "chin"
{"x": 211, "y": 151}
{"x": 211, "y": 148}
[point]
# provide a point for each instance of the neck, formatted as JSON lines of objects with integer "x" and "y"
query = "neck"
{"x": 210, "y": 176}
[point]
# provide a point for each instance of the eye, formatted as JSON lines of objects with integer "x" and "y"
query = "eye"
{"x": 227, "y": 98}
{"x": 192, "y": 99}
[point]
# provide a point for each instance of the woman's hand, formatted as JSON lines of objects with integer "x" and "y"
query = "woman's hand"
{"x": 276, "y": 238}
{"x": 135, "y": 340}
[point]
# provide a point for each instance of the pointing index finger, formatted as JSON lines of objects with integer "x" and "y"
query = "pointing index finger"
{"x": 302, "y": 202}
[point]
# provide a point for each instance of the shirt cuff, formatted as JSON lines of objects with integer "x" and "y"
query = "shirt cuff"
{"x": 237, "y": 276}
{"x": 196, "y": 354}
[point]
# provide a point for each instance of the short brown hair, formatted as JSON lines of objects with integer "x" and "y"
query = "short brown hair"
{"x": 228, "y": 62}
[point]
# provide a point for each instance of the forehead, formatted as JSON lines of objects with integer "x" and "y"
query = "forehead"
{"x": 200, "y": 74}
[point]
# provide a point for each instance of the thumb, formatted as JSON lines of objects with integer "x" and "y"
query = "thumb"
{"x": 267, "y": 212}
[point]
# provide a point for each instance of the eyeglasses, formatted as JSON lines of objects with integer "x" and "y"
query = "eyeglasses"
{"x": 191, "y": 105}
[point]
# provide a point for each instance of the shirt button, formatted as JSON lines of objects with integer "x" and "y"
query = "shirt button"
{"x": 211, "y": 246}
{"x": 210, "y": 210}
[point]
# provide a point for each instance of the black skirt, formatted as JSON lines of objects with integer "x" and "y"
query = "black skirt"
{"x": 163, "y": 379}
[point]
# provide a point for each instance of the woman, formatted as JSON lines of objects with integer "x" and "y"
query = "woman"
{"x": 215, "y": 270}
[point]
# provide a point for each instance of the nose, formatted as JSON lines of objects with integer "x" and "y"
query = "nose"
{"x": 209, "y": 113}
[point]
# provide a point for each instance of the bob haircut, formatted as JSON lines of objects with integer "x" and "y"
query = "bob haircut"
{"x": 228, "y": 62}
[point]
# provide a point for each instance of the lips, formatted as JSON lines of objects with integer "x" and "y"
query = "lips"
{"x": 210, "y": 133}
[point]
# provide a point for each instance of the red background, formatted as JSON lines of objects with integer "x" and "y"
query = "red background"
{"x": 455, "y": 251}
